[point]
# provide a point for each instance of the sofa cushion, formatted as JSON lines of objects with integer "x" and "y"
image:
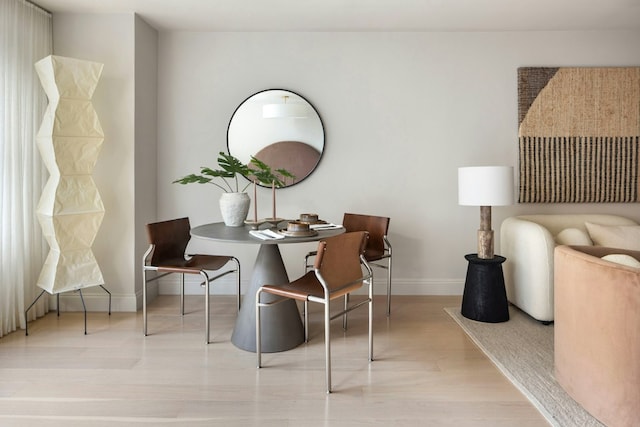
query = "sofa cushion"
{"x": 623, "y": 259}
{"x": 615, "y": 236}
{"x": 574, "y": 237}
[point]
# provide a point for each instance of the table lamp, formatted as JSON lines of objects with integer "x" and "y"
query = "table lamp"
{"x": 484, "y": 298}
{"x": 485, "y": 186}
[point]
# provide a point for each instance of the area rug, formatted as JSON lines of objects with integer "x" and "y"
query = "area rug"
{"x": 522, "y": 349}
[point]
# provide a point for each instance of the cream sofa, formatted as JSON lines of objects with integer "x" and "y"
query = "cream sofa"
{"x": 597, "y": 331}
{"x": 528, "y": 242}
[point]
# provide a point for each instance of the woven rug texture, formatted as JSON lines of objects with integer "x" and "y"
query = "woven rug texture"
{"x": 522, "y": 349}
{"x": 579, "y": 134}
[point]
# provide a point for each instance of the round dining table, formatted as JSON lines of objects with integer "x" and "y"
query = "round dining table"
{"x": 282, "y": 327}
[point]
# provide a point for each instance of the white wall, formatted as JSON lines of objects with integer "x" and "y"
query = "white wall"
{"x": 402, "y": 111}
{"x": 125, "y": 102}
{"x": 146, "y": 153}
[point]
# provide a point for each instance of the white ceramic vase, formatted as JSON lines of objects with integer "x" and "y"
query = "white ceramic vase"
{"x": 234, "y": 208}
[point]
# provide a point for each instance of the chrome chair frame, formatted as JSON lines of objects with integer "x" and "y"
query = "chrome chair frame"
{"x": 366, "y": 278}
{"x": 388, "y": 256}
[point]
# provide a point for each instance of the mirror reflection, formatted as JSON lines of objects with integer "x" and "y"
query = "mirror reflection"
{"x": 280, "y": 128}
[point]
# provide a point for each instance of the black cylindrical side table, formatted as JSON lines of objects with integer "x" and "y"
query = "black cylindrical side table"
{"x": 485, "y": 298}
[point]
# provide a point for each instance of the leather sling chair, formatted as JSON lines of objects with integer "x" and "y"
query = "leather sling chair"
{"x": 339, "y": 269}
{"x": 166, "y": 255}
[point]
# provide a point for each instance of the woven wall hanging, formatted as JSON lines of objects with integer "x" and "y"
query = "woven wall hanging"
{"x": 578, "y": 131}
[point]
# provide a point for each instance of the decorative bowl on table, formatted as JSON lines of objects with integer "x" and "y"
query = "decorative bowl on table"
{"x": 298, "y": 229}
{"x": 310, "y": 218}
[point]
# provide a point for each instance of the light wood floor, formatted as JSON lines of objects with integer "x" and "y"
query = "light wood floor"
{"x": 426, "y": 373}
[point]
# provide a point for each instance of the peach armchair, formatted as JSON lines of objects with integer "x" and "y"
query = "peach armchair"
{"x": 597, "y": 332}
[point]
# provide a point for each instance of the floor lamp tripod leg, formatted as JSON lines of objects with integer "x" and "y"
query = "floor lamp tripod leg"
{"x": 84, "y": 308}
{"x": 26, "y": 319}
{"x": 105, "y": 289}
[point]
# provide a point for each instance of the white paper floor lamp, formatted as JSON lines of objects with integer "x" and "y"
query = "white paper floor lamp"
{"x": 70, "y": 210}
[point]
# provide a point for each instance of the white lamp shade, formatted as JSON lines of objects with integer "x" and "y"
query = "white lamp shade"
{"x": 295, "y": 111}
{"x": 485, "y": 186}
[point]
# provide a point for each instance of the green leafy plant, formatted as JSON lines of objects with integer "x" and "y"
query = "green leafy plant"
{"x": 265, "y": 175}
{"x": 230, "y": 168}
{"x": 226, "y": 178}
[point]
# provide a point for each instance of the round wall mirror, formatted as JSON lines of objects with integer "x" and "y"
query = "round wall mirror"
{"x": 280, "y": 128}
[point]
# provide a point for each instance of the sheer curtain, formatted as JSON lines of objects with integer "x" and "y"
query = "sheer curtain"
{"x": 25, "y": 37}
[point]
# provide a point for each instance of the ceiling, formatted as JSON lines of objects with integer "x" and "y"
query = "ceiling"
{"x": 368, "y": 15}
